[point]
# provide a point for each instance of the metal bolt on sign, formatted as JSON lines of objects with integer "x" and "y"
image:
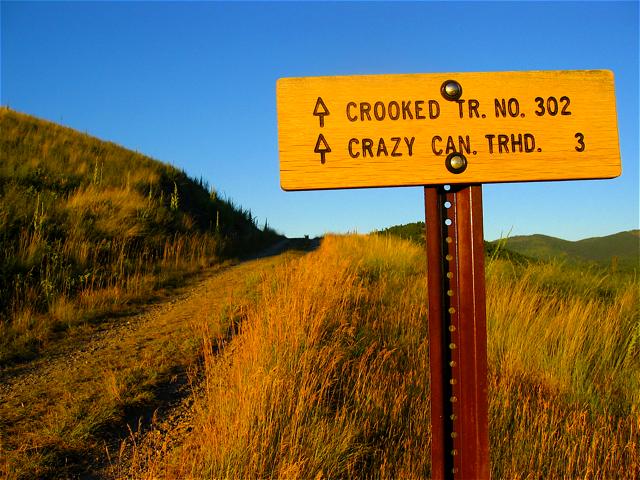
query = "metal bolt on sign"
{"x": 451, "y": 90}
{"x": 457, "y": 323}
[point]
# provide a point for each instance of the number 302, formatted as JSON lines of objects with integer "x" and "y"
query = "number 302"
{"x": 553, "y": 106}
{"x": 581, "y": 146}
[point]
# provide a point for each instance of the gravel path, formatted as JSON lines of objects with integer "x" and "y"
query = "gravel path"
{"x": 41, "y": 400}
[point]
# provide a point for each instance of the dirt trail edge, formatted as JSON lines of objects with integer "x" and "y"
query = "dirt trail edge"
{"x": 66, "y": 414}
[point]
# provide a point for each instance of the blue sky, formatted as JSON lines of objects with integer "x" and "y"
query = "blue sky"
{"x": 193, "y": 84}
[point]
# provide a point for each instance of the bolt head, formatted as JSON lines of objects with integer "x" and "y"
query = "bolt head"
{"x": 456, "y": 162}
{"x": 451, "y": 90}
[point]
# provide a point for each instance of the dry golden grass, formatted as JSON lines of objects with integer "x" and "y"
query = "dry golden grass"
{"x": 82, "y": 219}
{"x": 328, "y": 377}
{"x": 60, "y": 416}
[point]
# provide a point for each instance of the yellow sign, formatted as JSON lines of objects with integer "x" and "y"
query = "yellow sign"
{"x": 427, "y": 129}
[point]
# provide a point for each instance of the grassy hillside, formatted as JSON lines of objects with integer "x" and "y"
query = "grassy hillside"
{"x": 329, "y": 378}
{"x": 87, "y": 227}
{"x": 621, "y": 248}
{"x": 618, "y": 251}
{"x": 409, "y": 231}
{"x": 416, "y": 233}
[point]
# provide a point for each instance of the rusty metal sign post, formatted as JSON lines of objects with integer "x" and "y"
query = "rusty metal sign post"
{"x": 403, "y": 130}
{"x": 457, "y": 332}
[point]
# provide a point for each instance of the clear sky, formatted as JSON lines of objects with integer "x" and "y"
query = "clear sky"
{"x": 193, "y": 84}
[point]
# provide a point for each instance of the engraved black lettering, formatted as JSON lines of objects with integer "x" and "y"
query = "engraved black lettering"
{"x": 406, "y": 110}
{"x": 464, "y": 144}
{"x": 434, "y": 149}
{"x": 581, "y": 146}
{"x": 365, "y": 109}
{"x": 379, "y": 111}
{"x": 514, "y": 107}
{"x": 394, "y": 152}
{"x": 503, "y": 142}
{"x": 552, "y": 106}
{"x": 540, "y": 102}
{"x": 490, "y": 138}
{"x": 354, "y": 117}
{"x": 451, "y": 146}
{"x": 382, "y": 148}
{"x": 419, "y": 104}
{"x": 394, "y": 110}
{"x": 473, "y": 108}
{"x": 409, "y": 144}
{"x": 502, "y": 106}
{"x": 460, "y": 109}
{"x": 434, "y": 110}
{"x": 565, "y": 107}
{"x": 352, "y": 142}
{"x": 367, "y": 146}
{"x": 529, "y": 143}
{"x": 516, "y": 142}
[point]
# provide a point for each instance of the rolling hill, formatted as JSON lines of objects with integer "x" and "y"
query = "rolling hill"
{"x": 87, "y": 227}
{"x": 622, "y": 247}
{"x": 621, "y": 250}
{"x": 415, "y": 233}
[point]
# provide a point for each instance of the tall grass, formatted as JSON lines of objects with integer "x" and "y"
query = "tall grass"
{"x": 563, "y": 343}
{"x": 87, "y": 227}
{"x": 328, "y": 377}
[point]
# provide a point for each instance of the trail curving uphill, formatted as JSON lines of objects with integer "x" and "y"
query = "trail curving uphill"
{"x": 66, "y": 414}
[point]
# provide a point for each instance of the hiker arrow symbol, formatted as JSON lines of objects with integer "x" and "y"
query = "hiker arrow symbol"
{"x": 320, "y": 110}
{"x": 322, "y": 147}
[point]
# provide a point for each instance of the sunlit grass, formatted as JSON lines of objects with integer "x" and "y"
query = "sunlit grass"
{"x": 328, "y": 377}
{"x": 88, "y": 227}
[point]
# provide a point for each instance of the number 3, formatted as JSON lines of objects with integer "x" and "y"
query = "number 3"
{"x": 580, "y": 147}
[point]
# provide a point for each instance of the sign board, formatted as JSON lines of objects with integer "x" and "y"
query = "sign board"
{"x": 403, "y": 130}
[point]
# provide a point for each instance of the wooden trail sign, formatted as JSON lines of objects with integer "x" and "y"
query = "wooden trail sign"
{"x": 398, "y": 130}
{"x": 450, "y": 133}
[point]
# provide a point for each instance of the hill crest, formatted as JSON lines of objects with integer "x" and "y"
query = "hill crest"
{"x": 87, "y": 226}
{"x": 621, "y": 249}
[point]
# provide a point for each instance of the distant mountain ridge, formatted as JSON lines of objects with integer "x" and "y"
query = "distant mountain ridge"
{"x": 621, "y": 249}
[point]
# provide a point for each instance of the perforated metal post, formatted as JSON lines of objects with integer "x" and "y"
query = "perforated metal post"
{"x": 457, "y": 332}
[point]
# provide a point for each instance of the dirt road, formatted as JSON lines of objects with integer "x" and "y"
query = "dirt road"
{"x": 65, "y": 414}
